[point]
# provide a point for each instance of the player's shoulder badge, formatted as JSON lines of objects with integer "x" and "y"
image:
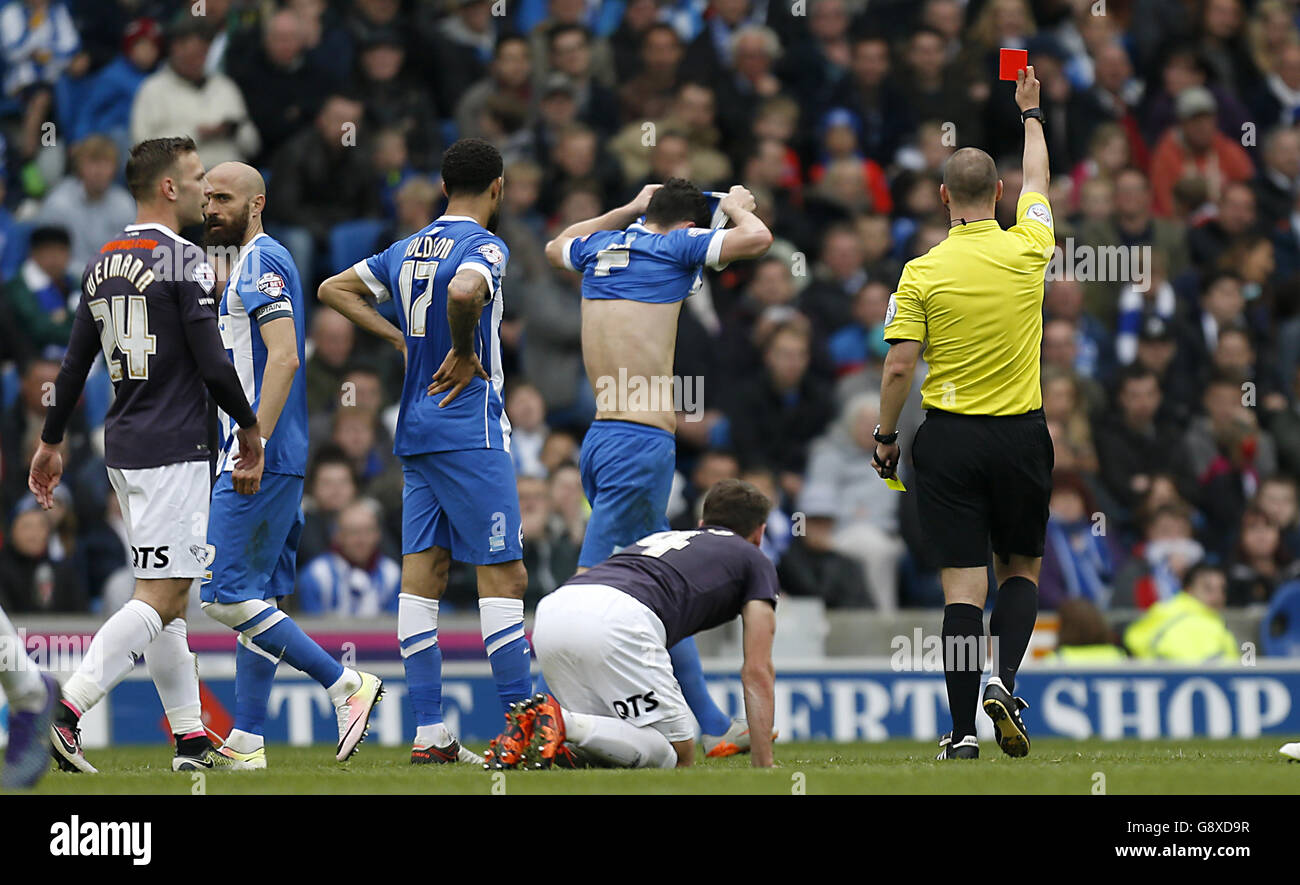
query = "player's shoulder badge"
{"x": 698, "y": 231}
{"x": 1040, "y": 213}
{"x": 204, "y": 275}
{"x": 492, "y": 252}
{"x": 271, "y": 284}
{"x": 891, "y": 310}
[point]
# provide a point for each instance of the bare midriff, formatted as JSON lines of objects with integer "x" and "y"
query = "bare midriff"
{"x": 628, "y": 349}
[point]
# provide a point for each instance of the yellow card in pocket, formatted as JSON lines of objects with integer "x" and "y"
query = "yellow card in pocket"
{"x": 896, "y": 484}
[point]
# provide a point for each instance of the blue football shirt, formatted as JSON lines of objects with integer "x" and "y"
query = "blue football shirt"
{"x": 264, "y": 286}
{"x": 416, "y": 272}
{"x": 637, "y": 264}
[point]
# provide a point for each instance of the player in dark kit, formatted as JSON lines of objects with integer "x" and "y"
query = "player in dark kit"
{"x": 148, "y": 302}
{"x": 602, "y": 640}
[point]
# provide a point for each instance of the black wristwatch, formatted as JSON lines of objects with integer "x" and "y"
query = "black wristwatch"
{"x": 1036, "y": 113}
{"x": 885, "y": 439}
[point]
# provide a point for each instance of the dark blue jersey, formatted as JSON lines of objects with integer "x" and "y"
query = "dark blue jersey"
{"x": 148, "y": 305}
{"x": 692, "y": 580}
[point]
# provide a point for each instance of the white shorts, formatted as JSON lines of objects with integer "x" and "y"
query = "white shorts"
{"x": 604, "y": 653}
{"x": 166, "y": 514}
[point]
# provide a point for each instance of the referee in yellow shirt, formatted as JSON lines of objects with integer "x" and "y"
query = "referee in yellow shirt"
{"x": 983, "y": 458}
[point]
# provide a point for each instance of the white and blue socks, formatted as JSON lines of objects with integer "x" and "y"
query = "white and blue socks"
{"x": 254, "y": 676}
{"x": 502, "y": 621}
{"x": 275, "y": 633}
{"x": 690, "y": 676}
{"x": 417, "y": 635}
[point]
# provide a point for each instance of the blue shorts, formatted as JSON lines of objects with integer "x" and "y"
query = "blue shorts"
{"x": 465, "y": 502}
{"x": 256, "y": 539}
{"x": 627, "y": 473}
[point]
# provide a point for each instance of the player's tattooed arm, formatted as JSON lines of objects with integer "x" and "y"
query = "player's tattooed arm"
{"x": 348, "y": 294}
{"x": 758, "y": 677}
{"x": 466, "y": 294}
{"x": 614, "y": 219}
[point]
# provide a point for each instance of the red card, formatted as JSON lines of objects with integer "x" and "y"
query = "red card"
{"x": 1011, "y": 62}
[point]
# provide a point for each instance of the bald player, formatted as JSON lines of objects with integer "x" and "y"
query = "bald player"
{"x": 976, "y": 301}
{"x": 255, "y": 537}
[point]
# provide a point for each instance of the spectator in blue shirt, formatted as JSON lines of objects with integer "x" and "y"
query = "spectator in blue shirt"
{"x": 862, "y": 341}
{"x": 353, "y": 578}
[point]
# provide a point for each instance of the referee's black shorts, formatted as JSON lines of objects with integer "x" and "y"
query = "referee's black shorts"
{"x": 981, "y": 481}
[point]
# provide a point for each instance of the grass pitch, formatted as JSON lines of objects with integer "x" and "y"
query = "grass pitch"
{"x": 1055, "y": 766}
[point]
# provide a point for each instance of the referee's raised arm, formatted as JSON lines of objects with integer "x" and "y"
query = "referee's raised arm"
{"x": 1034, "y": 166}
{"x": 982, "y": 459}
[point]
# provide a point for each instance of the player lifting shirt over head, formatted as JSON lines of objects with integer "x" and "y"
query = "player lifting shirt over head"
{"x": 635, "y": 276}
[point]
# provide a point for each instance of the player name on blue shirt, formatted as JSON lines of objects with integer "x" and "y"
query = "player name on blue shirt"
{"x": 416, "y": 271}
{"x": 692, "y": 580}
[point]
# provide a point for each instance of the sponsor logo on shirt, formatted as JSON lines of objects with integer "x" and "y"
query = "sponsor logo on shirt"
{"x": 271, "y": 285}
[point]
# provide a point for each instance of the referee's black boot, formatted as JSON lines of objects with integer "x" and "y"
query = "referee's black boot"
{"x": 1004, "y": 710}
{"x": 966, "y": 748}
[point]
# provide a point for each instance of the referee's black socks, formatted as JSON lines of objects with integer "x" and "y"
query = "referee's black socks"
{"x": 1011, "y": 625}
{"x": 963, "y": 662}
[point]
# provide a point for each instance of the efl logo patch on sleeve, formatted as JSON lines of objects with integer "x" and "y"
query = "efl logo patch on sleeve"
{"x": 492, "y": 252}
{"x": 271, "y": 284}
{"x": 891, "y": 310}
{"x": 1039, "y": 213}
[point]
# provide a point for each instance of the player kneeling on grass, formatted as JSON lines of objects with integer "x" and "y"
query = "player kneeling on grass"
{"x": 602, "y": 640}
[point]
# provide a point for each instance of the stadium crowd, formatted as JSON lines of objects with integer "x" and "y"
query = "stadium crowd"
{"x": 1171, "y": 389}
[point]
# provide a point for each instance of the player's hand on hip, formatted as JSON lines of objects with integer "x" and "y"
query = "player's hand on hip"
{"x": 739, "y": 198}
{"x": 455, "y": 374}
{"x": 45, "y": 473}
{"x": 885, "y": 460}
{"x": 248, "y": 480}
{"x": 1027, "y": 87}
